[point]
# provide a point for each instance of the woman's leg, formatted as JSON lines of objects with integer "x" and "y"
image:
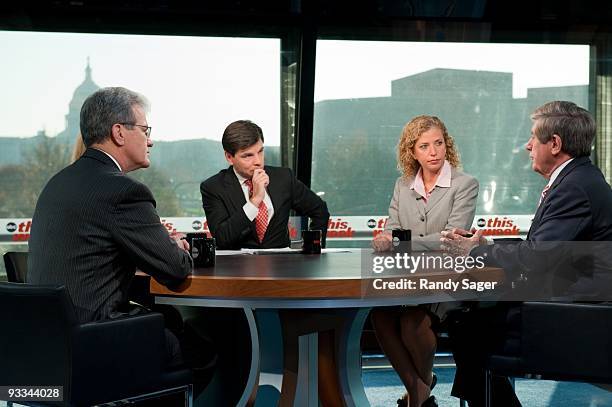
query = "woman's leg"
{"x": 386, "y": 323}
{"x": 419, "y": 340}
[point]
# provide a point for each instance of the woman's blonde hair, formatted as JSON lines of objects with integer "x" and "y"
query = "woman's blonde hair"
{"x": 406, "y": 162}
{"x": 78, "y": 149}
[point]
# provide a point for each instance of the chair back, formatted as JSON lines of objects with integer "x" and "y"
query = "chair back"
{"x": 567, "y": 341}
{"x": 35, "y": 344}
{"x": 16, "y": 264}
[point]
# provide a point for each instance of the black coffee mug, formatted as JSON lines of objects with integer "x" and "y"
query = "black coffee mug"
{"x": 190, "y": 236}
{"x": 401, "y": 236}
{"x": 312, "y": 241}
{"x": 203, "y": 251}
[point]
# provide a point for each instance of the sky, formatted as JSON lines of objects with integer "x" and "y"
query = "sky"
{"x": 198, "y": 85}
{"x": 355, "y": 69}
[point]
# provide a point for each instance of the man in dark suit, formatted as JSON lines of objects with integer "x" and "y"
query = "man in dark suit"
{"x": 248, "y": 204}
{"x": 93, "y": 225}
{"x": 574, "y": 207}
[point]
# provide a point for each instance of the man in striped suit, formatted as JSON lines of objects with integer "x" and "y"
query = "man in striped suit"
{"x": 94, "y": 226}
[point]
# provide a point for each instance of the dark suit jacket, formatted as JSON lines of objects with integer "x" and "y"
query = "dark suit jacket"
{"x": 577, "y": 208}
{"x": 223, "y": 199}
{"x": 92, "y": 227}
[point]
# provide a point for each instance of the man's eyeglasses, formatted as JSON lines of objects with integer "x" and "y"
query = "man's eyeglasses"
{"x": 147, "y": 129}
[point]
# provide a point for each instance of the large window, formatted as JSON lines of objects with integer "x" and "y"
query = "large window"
{"x": 196, "y": 86}
{"x": 366, "y": 91}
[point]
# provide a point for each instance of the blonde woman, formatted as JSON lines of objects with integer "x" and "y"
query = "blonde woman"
{"x": 432, "y": 195}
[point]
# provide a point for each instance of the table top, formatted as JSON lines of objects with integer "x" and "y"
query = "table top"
{"x": 297, "y": 280}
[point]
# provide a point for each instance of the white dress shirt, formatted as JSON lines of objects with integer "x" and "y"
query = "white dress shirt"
{"x": 556, "y": 172}
{"x": 251, "y": 210}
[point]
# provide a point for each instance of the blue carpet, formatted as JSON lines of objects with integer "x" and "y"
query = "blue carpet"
{"x": 383, "y": 388}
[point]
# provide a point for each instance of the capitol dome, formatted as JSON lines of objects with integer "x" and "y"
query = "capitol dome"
{"x": 86, "y": 88}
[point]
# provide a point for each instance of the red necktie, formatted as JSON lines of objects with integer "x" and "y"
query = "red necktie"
{"x": 543, "y": 196}
{"x": 261, "y": 220}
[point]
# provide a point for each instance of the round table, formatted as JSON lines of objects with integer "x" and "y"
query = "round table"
{"x": 291, "y": 299}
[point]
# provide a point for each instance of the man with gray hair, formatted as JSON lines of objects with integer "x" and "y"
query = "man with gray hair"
{"x": 574, "y": 207}
{"x": 94, "y": 226}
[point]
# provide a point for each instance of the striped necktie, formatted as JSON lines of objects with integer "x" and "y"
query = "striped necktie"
{"x": 261, "y": 220}
{"x": 543, "y": 195}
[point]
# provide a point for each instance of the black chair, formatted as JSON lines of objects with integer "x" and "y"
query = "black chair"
{"x": 42, "y": 343}
{"x": 559, "y": 341}
{"x": 16, "y": 264}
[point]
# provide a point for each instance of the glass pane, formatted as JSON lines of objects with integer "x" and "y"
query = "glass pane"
{"x": 366, "y": 91}
{"x": 196, "y": 87}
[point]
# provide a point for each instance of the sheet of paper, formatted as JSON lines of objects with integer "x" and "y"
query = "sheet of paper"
{"x": 284, "y": 250}
{"x": 229, "y": 252}
{"x": 336, "y": 250}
